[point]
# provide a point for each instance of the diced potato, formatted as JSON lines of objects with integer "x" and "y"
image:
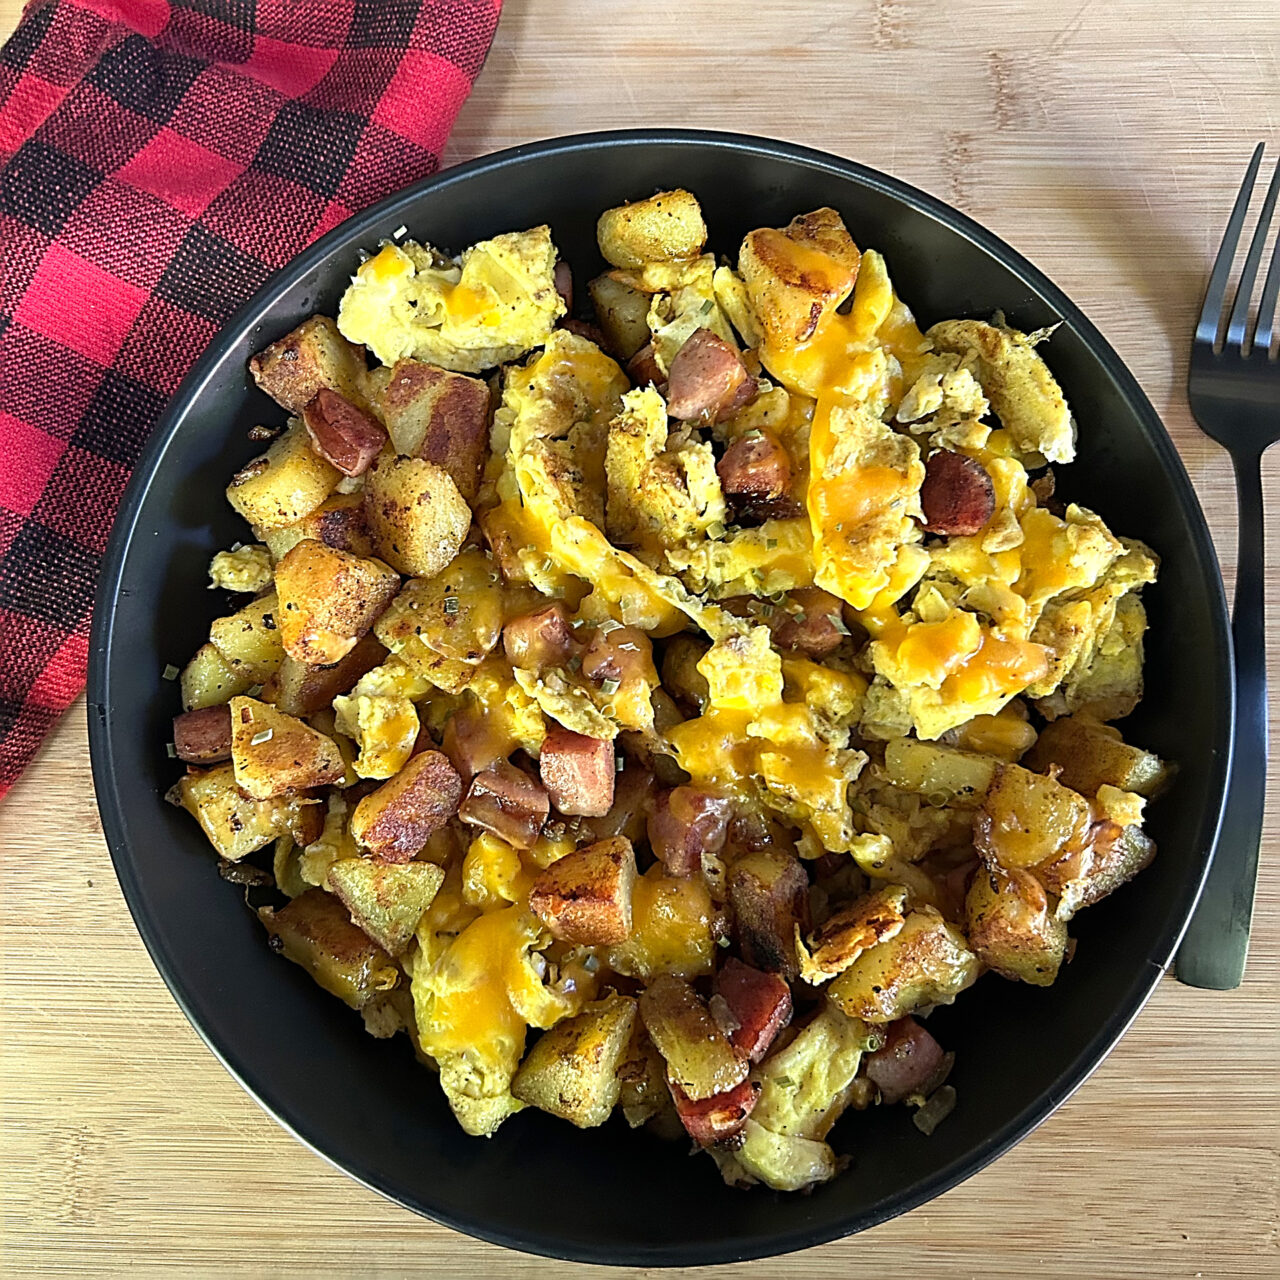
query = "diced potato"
{"x": 572, "y": 1072}
{"x": 958, "y": 778}
{"x": 1027, "y": 818}
{"x": 671, "y": 928}
{"x": 284, "y": 484}
{"x": 312, "y": 356}
{"x": 209, "y": 680}
{"x": 785, "y": 1163}
{"x": 663, "y": 228}
{"x": 642, "y": 1077}
{"x": 699, "y": 1058}
{"x": 314, "y": 931}
{"x": 843, "y": 937}
{"x": 396, "y": 821}
{"x": 416, "y": 515}
{"x": 236, "y": 825}
{"x": 927, "y": 962}
{"x": 249, "y": 639}
{"x": 769, "y": 893}
{"x": 385, "y": 899}
{"x": 328, "y": 600}
{"x": 301, "y": 690}
{"x": 457, "y": 613}
{"x": 806, "y": 1086}
{"x": 274, "y": 754}
{"x": 286, "y": 867}
{"x": 1088, "y": 875}
{"x": 623, "y": 313}
{"x": 338, "y": 522}
{"x": 1090, "y": 754}
{"x": 1010, "y": 925}
{"x": 585, "y": 897}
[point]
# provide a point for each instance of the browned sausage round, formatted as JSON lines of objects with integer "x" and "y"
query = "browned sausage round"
{"x": 643, "y": 368}
{"x": 706, "y": 380}
{"x": 203, "y": 736}
{"x": 755, "y": 465}
{"x": 957, "y": 494}
{"x": 341, "y": 434}
{"x": 815, "y": 628}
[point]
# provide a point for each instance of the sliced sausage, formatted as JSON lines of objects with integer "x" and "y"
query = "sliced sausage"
{"x": 718, "y": 1117}
{"x": 909, "y": 1061}
{"x": 643, "y": 368}
{"x": 957, "y": 495}
{"x": 758, "y": 1005}
{"x": 619, "y": 653}
{"x": 684, "y": 822}
{"x": 755, "y": 466}
{"x": 541, "y": 639}
{"x": 506, "y": 801}
{"x": 707, "y": 379}
{"x": 472, "y": 742}
{"x": 396, "y": 820}
{"x": 344, "y": 436}
{"x": 563, "y": 278}
{"x": 585, "y": 897}
{"x": 815, "y": 628}
{"x": 578, "y": 772}
{"x": 203, "y": 736}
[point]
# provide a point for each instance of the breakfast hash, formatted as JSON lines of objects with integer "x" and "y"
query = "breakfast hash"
{"x": 711, "y": 687}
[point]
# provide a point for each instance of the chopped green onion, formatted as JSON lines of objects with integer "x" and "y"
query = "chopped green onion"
{"x": 609, "y": 687}
{"x": 619, "y": 764}
{"x": 771, "y": 544}
{"x": 451, "y": 604}
{"x": 723, "y": 941}
{"x": 838, "y": 622}
{"x": 253, "y": 690}
{"x": 170, "y": 672}
{"x": 716, "y": 530}
{"x": 799, "y": 617}
{"x": 707, "y": 308}
{"x": 259, "y": 738}
{"x": 609, "y": 625}
{"x": 171, "y": 751}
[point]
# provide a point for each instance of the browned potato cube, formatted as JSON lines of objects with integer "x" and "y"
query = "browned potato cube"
{"x": 1010, "y": 925}
{"x": 436, "y": 415}
{"x": 1027, "y": 818}
{"x": 249, "y": 639}
{"x": 926, "y": 962}
{"x": 769, "y": 893}
{"x": 236, "y": 825}
{"x": 959, "y": 778}
{"x": 417, "y": 517}
{"x": 1090, "y": 754}
{"x": 312, "y": 356}
{"x": 623, "y": 313}
{"x": 874, "y": 917}
{"x": 328, "y": 600}
{"x": 275, "y": 754}
{"x": 457, "y": 613}
{"x": 585, "y": 897}
{"x": 1112, "y": 857}
{"x": 210, "y": 680}
{"x": 338, "y": 522}
{"x": 572, "y": 1072}
{"x": 642, "y": 1077}
{"x": 314, "y": 931}
{"x": 284, "y": 484}
{"x": 385, "y": 899}
{"x": 396, "y": 821}
{"x": 663, "y": 228}
{"x": 699, "y": 1057}
{"x": 302, "y": 690}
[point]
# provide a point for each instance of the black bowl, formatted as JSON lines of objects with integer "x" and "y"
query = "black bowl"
{"x": 608, "y": 1195}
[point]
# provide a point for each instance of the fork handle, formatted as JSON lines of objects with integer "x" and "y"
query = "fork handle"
{"x": 1216, "y": 943}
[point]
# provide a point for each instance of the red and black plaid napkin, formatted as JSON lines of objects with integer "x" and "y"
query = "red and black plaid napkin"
{"x": 158, "y": 159}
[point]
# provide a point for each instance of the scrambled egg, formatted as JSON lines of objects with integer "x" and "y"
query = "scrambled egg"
{"x": 492, "y": 305}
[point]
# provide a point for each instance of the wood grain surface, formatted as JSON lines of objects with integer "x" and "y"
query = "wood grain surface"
{"x": 1103, "y": 140}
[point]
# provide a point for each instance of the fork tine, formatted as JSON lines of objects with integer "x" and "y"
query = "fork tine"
{"x": 1267, "y": 306}
{"x": 1215, "y": 295}
{"x": 1239, "y": 324}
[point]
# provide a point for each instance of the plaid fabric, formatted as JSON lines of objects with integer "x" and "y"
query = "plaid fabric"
{"x": 158, "y": 158}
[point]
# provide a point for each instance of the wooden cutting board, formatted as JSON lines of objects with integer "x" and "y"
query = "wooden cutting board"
{"x": 1104, "y": 141}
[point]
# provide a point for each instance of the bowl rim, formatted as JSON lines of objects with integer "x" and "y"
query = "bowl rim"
{"x": 271, "y": 1098}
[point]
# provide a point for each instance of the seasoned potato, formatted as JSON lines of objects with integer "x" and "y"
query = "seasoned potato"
{"x": 209, "y": 679}
{"x": 769, "y": 894}
{"x": 339, "y": 521}
{"x": 572, "y": 1072}
{"x": 416, "y": 515}
{"x": 1086, "y": 876}
{"x": 284, "y": 484}
{"x": 663, "y": 228}
{"x": 959, "y": 778}
{"x": 1009, "y": 923}
{"x": 328, "y": 600}
{"x": 314, "y": 931}
{"x": 585, "y": 897}
{"x": 1090, "y": 754}
{"x": 927, "y": 962}
{"x": 671, "y": 928}
{"x": 301, "y": 690}
{"x": 237, "y": 825}
{"x": 642, "y": 1079}
{"x": 1028, "y": 818}
{"x": 249, "y": 639}
{"x": 874, "y": 917}
{"x": 396, "y": 821}
{"x": 782, "y": 1162}
{"x": 275, "y": 754}
{"x": 457, "y": 613}
{"x": 623, "y": 313}
{"x": 699, "y": 1058}
{"x": 385, "y": 899}
{"x": 312, "y": 356}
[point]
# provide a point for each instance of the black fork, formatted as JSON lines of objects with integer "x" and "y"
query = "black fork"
{"x": 1234, "y": 389}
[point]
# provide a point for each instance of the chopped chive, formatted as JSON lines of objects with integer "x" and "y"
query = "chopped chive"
{"x": 253, "y": 690}
{"x": 798, "y": 617}
{"x": 399, "y": 233}
{"x": 608, "y": 625}
{"x": 723, "y": 941}
{"x": 716, "y": 530}
{"x": 171, "y": 751}
{"x": 754, "y": 434}
{"x": 609, "y": 686}
{"x": 451, "y": 604}
{"x": 771, "y": 544}
{"x": 619, "y": 764}
{"x": 170, "y": 672}
{"x": 259, "y": 738}
{"x": 707, "y": 308}
{"x": 838, "y": 622}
